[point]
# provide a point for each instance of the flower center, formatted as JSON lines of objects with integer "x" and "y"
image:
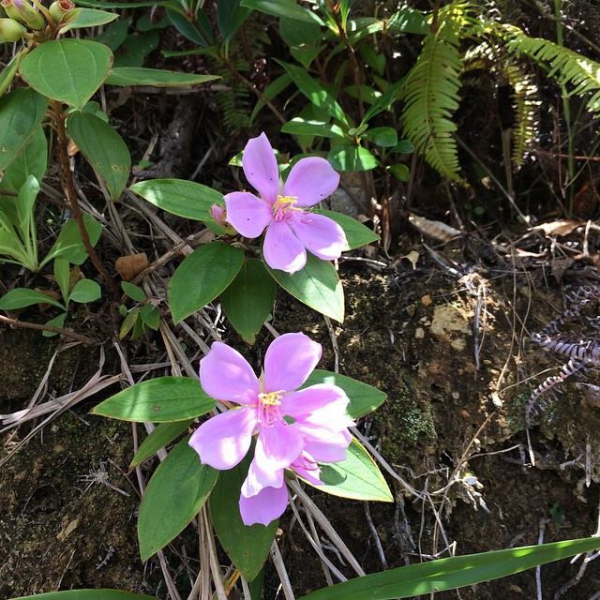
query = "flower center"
{"x": 283, "y": 206}
{"x": 268, "y": 408}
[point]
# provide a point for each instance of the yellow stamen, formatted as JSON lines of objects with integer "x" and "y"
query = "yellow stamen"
{"x": 284, "y": 203}
{"x": 271, "y": 399}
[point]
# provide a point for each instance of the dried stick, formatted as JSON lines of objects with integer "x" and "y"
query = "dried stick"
{"x": 37, "y": 326}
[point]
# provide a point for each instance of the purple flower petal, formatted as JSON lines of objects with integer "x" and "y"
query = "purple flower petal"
{"x": 289, "y": 360}
{"x": 321, "y": 405}
{"x": 225, "y": 375}
{"x": 282, "y": 249}
{"x": 247, "y": 214}
{"x": 320, "y": 235}
{"x": 277, "y": 447}
{"x": 310, "y": 181}
{"x": 260, "y": 168}
{"x": 259, "y": 478}
{"x": 265, "y": 507}
{"x": 223, "y": 441}
{"x": 325, "y": 446}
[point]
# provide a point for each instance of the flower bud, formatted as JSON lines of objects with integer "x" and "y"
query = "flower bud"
{"x": 24, "y": 12}
{"x": 219, "y": 214}
{"x": 60, "y": 8}
{"x": 11, "y": 31}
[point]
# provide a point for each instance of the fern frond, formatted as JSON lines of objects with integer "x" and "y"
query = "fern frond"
{"x": 565, "y": 66}
{"x": 431, "y": 97}
{"x": 526, "y": 103}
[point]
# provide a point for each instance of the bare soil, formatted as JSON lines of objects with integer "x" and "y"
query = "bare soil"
{"x": 455, "y": 413}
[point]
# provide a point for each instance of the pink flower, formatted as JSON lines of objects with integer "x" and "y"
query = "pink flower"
{"x": 296, "y": 429}
{"x": 291, "y": 231}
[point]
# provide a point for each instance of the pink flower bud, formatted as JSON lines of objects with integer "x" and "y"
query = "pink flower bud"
{"x": 218, "y": 213}
{"x": 24, "y": 12}
{"x": 60, "y": 8}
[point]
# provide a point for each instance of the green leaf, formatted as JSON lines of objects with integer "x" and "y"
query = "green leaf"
{"x": 175, "y": 494}
{"x": 150, "y": 316}
{"x": 300, "y": 126}
{"x": 56, "y": 322}
{"x": 364, "y": 398}
{"x": 248, "y": 301}
{"x": 103, "y": 148}
{"x": 8, "y": 73}
{"x": 179, "y": 197}
{"x": 271, "y": 91}
{"x": 357, "y": 234}
{"x": 21, "y": 112}
{"x": 85, "y": 291}
{"x": 356, "y": 478}
{"x": 317, "y": 285}
{"x": 160, "y": 400}
{"x": 116, "y": 34}
{"x": 88, "y": 595}
{"x": 400, "y": 171}
{"x": 409, "y": 20}
{"x": 32, "y": 160}
{"x": 136, "y": 48}
{"x": 133, "y": 291}
{"x": 201, "y": 277}
{"x": 386, "y": 137}
{"x": 86, "y": 17}
{"x": 352, "y": 158}
{"x": 62, "y": 276}
{"x": 132, "y": 76}
{"x": 163, "y": 435}
{"x": 316, "y": 93}
{"x": 230, "y": 17}
{"x": 246, "y": 546}
{"x": 68, "y": 70}
{"x": 384, "y": 102}
{"x": 452, "y": 573}
{"x": 69, "y": 244}
{"x": 22, "y": 297}
{"x": 283, "y": 8}
{"x": 404, "y": 147}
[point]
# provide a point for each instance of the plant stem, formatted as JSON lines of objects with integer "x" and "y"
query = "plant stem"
{"x": 65, "y": 332}
{"x": 71, "y": 194}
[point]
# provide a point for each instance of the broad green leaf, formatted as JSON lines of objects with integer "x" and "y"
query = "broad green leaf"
{"x": 26, "y": 201}
{"x": 316, "y": 93}
{"x": 8, "y": 73}
{"x": 21, "y": 112}
{"x": 133, "y": 291}
{"x": 136, "y": 47}
{"x": 298, "y": 34}
{"x": 352, "y": 158}
{"x": 62, "y": 276}
{"x": 114, "y": 35}
{"x": 56, "y": 322}
{"x": 32, "y": 160}
{"x": 386, "y": 137}
{"x": 201, "y": 277}
{"x": 103, "y": 148}
{"x": 163, "y": 435}
{"x": 356, "y": 478}
{"x": 23, "y": 297}
{"x": 271, "y": 91}
{"x": 196, "y": 31}
{"x": 452, "y": 573}
{"x": 364, "y": 398}
{"x": 317, "y": 285}
{"x": 88, "y": 595}
{"x": 409, "y": 20}
{"x": 246, "y": 546}
{"x": 150, "y": 315}
{"x": 85, "y": 290}
{"x": 68, "y": 70}
{"x": 283, "y": 8}
{"x": 300, "y": 126}
{"x": 248, "y": 301}
{"x": 179, "y": 197}
{"x": 357, "y": 234}
{"x": 175, "y": 494}
{"x": 391, "y": 94}
{"x": 160, "y": 400}
{"x": 86, "y": 17}
{"x": 400, "y": 171}
{"x": 404, "y": 147}
{"x": 230, "y": 17}
{"x": 131, "y": 76}
{"x": 69, "y": 245}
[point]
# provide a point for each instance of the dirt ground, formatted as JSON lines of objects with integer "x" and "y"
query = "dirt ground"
{"x": 454, "y": 415}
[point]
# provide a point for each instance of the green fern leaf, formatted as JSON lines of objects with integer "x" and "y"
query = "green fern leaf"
{"x": 567, "y": 67}
{"x": 526, "y": 103}
{"x": 431, "y": 97}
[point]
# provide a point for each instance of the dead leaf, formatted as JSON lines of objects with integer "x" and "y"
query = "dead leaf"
{"x": 434, "y": 229}
{"x": 558, "y": 228}
{"x": 129, "y": 266}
